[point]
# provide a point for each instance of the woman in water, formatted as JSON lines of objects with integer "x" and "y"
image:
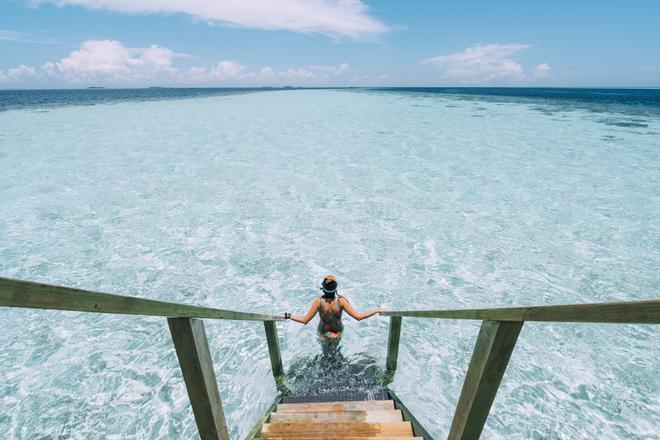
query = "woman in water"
{"x": 330, "y": 307}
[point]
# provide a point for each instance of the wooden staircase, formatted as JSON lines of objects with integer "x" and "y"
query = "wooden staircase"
{"x": 337, "y": 416}
{"x": 359, "y": 420}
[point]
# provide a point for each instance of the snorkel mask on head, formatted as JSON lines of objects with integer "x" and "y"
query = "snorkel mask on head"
{"x": 329, "y": 286}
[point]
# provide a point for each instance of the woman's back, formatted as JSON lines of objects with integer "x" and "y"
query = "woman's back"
{"x": 330, "y": 311}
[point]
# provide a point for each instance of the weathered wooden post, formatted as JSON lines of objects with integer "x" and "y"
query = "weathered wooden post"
{"x": 196, "y": 363}
{"x": 393, "y": 345}
{"x": 274, "y": 348}
{"x": 490, "y": 357}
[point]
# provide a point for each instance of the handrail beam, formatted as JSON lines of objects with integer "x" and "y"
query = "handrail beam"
{"x": 27, "y": 294}
{"x": 632, "y": 312}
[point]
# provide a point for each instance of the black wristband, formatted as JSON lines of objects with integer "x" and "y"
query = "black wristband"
{"x": 287, "y": 315}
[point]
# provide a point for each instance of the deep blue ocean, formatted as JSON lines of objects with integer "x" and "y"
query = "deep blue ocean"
{"x": 25, "y": 99}
{"x": 639, "y": 101}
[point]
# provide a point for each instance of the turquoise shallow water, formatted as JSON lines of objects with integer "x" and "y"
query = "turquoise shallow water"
{"x": 245, "y": 201}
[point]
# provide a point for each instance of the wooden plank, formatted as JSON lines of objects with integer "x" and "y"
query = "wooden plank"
{"x": 365, "y": 405}
{"x": 344, "y": 437}
{"x": 196, "y": 365}
{"x": 355, "y": 429}
{"x": 337, "y": 416}
{"x": 274, "y": 348}
{"x": 418, "y": 428}
{"x": 393, "y": 344}
{"x": 490, "y": 358}
{"x": 633, "y": 312}
{"x": 17, "y": 293}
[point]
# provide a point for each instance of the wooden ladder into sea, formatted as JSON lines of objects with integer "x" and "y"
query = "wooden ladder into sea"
{"x": 357, "y": 416}
{"x": 348, "y": 416}
{"x": 336, "y": 420}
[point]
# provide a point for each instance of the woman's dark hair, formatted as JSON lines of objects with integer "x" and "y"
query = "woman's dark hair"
{"x": 329, "y": 286}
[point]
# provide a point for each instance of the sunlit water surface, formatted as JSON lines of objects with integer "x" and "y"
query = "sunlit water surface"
{"x": 246, "y": 201}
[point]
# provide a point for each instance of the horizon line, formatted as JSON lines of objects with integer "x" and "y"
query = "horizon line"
{"x": 290, "y": 87}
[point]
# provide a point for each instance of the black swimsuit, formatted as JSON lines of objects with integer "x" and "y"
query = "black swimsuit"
{"x": 330, "y": 317}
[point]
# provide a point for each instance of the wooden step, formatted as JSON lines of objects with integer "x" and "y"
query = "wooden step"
{"x": 365, "y": 405}
{"x": 347, "y": 438}
{"x": 335, "y": 430}
{"x": 337, "y": 416}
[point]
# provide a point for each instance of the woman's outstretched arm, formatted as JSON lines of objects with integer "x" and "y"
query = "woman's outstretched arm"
{"x": 355, "y": 314}
{"x": 310, "y": 314}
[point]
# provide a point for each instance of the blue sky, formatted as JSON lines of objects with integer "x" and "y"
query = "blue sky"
{"x": 76, "y": 43}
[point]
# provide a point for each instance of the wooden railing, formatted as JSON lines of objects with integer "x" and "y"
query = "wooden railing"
{"x": 497, "y": 338}
{"x": 186, "y": 328}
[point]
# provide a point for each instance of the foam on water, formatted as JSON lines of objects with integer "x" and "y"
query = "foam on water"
{"x": 246, "y": 201}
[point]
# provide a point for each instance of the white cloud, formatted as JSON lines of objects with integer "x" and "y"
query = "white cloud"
{"x": 111, "y": 61}
{"x": 224, "y": 70}
{"x": 101, "y": 62}
{"x": 486, "y": 63}
{"x": 228, "y": 69}
{"x": 290, "y": 74}
{"x": 541, "y": 71}
{"x": 21, "y": 71}
{"x": 334, "y": 18}
{"x": 233, "y": 73}
{"x": 18, "y": 74}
